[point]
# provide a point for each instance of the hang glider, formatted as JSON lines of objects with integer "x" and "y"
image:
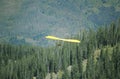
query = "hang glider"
{"x": 61, "y": 39}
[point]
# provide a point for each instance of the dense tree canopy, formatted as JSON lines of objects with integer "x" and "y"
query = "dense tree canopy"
{"x": 96, "y": 57}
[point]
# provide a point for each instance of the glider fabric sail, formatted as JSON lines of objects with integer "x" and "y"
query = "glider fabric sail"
{"x": 61, "y": 39}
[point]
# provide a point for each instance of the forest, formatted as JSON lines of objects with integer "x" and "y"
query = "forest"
{"x": 96, "y": 57}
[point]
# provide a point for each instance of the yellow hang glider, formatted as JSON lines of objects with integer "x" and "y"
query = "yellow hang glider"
{"x": 61, "y": 39}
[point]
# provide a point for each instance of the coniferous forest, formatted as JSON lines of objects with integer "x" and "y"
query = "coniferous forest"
{"x": 96, "y": 57}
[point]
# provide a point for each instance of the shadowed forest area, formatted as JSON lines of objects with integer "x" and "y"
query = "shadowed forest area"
{"x": 96, "y": 57}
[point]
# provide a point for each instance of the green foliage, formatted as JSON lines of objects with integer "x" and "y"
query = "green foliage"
{"x": 26, "y": 62}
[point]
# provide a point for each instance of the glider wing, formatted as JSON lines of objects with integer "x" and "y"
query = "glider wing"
{"x": 67, "y": 40}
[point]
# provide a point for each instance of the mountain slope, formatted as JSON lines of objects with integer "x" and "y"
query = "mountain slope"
{"x": 62, "y": 18}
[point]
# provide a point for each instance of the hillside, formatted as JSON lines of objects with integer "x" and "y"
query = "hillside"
{"x": 29, "y": 21}
{"x": 96, "y": 57}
